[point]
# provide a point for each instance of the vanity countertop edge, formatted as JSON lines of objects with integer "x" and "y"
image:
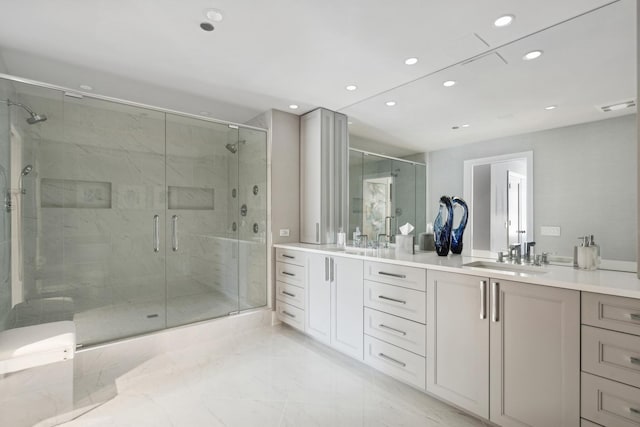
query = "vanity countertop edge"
{"x": 607, "y": 282}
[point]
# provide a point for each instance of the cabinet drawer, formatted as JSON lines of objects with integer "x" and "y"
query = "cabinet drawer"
{"x": 290, "y": 257}
{"x": 611, "y": 312}
{"x": 395, "y": 330}
{"x": 408, "y": 277}
{"x": 587, "y": 423}
{"x": 609, "y": 403}
{"x": 289, "y": 273}
{"x": 290, "y": 294}
{"x": 394, "y": 361}
{"x": 395, "y": 300}
{"x": 290, "y": 315}
{"x": 611, "y": 354}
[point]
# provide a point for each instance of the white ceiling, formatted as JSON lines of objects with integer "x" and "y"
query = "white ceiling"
{"x": 267, "y": 55}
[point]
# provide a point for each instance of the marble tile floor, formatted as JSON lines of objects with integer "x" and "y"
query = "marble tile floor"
{"x": 272, "y": 376}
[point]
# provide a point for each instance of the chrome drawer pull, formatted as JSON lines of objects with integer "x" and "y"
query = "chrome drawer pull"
{"x": 391, "y": 299}
{"x": 286, "y": 313}
{"x": 383, "y": 326}
{"x": 635, "y": 316}
{"x": 288, "y": 294}
{"x": 399, "y": 276}
{"x": 286, "y": 273}
{"x": 288, "y": 256}
{"x": 391, "y": 359}
{"x": 634, "y": 411}
{"x": 634, "y": 360}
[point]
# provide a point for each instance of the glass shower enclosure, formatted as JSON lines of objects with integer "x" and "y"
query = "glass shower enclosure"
{"x": 131, "y": 219}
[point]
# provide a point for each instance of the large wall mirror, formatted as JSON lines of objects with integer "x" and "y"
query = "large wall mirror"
{"x": 573, "y": 108}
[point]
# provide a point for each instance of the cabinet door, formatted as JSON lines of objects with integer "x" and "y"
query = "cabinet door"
{"x": 318, "y": 298}
{"x": 535, "y": 355}
{"x": 347, "y": 312}
{"x": 458, "y": 340}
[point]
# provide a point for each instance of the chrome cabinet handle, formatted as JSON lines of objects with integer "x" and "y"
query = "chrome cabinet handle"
{"x": 391, "y": 359}
{"x": 156, "y": 233}
{"x": 483, "y": 299}
{"x": 398, "y": 331}
{"x": 288, "y": 294}
{"x": 326, "y": 269}
{"x": 286, "y": 273}
{"x": 496, "y": 299}
{"x": 399, "y": 276}
{"x": 392, "y": 299}
{"x": 288, "y": 256}
{"x": 634, "y": 360}
{"x": 286, "y": 313}
{"x": 317, "y": 232}
{"x": 634, "y": 316}
{"x": 174, "y": 233}
{"x": 331, "y": 269}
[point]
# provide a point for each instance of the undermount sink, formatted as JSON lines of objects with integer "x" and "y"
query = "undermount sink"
{"x": 513, "y": 269}
{"x": 350, "y": 249}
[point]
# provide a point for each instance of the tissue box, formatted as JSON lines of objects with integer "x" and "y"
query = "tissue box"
{"x": 404, "y": 243}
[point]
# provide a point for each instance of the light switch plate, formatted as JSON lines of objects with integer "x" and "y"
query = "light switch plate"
{"x": 550, "y": 231}
{"x": 284, "y": 232}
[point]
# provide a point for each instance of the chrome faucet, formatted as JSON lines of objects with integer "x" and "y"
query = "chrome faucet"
{"x": 515, "y": 253}
{"x": 529, "y": 252}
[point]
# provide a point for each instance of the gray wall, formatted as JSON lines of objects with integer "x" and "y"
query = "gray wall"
{"x": 584, "y": 182}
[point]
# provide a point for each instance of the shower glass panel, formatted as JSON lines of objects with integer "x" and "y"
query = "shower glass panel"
{"x": 252, "y": 222}
{"x": 202, "y": 220}
{"x": 404, "y": 193}
{"x": 5, "y": 212}
{"x": 377, "y": 196}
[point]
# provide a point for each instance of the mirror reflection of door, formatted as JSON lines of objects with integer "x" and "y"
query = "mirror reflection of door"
{"x": 377, "y": 198}
{"x": 516, "y": 212}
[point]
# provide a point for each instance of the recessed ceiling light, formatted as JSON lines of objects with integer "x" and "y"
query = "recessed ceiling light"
{"x": 411, "y": 61}
{"x": 351, "y": 87}
{"x": 86, "y": 87}
{"x": 213, "y": 14}
{"x": 534, "y": 54}
{"x": 349, "y": 123}
{"x": 551, "y": 107}
{"x": 390, "y": 103}
{"x": 206, "y": 26}
{"x": 465, "y": 125}
{"x": 503, "y": 21}
{"x": 293, "y": 106}
{"x": 449, "y": 83}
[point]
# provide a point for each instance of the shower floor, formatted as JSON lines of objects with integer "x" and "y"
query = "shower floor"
{"x": 194, "y": 302}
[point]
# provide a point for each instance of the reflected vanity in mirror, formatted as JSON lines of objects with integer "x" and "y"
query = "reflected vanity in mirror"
{"x": 385, "y": 193}
{"x": 574, "y": 108}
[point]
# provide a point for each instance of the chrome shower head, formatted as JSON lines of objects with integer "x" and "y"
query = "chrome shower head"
{"x": 34, "y": 117}
{"x": 27, "y": 169}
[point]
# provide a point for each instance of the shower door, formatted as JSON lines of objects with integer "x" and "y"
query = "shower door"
{"x": 202, "y": 219}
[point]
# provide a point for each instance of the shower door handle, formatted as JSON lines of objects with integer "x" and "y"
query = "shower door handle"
{"x": 156, "y": 233}
{"x": 174, "y": 233}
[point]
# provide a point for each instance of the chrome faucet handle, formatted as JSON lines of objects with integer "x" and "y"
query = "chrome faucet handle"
{"x": 500, "y": 256}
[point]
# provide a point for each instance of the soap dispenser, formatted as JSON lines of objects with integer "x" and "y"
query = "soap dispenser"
{"x": 593, "y": 244}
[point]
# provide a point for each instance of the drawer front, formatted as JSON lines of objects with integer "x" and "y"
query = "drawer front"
{"x": 611, "y": 312}
{"x": 396, "y": 330}
{"x": 290, "y": 294}
{"x": 290, "y": 257}
{"x": 289, "y": 273}
{"x": 290, "y": 315}
{"x": 395, "y": 362}
{"x": 587, "y": 423}
{"x": 609, "y": 403}
{"x": 395, "y": 300}
{"x": 611, "y": 355}
{"x": 408, "y": 277}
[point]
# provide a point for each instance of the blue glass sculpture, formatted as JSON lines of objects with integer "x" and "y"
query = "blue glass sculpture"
{"x": 456, "y": 233}
{"x": 442, "y": 226}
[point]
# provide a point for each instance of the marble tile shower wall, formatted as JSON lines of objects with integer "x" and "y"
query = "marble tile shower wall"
{"x": 5, "y": 218}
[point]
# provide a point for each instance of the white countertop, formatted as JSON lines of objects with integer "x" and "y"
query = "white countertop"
{"x": 599, "y": 281}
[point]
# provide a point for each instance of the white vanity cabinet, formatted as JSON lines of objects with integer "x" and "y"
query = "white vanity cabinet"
{"x": 507, "y": 351}
{"x": 290, "y": 287}
{"x": 610, "y": 360}
{"x": 334, "y": 307}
